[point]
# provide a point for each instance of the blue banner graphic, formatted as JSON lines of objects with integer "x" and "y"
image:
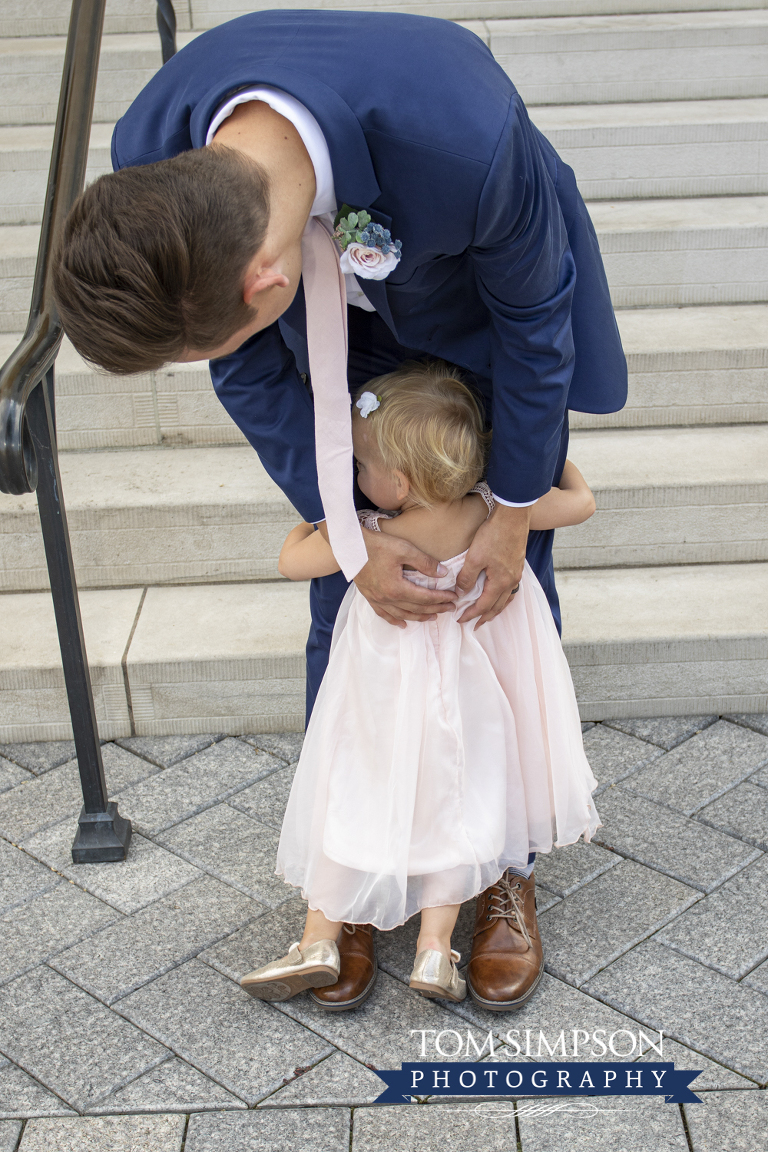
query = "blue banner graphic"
{"x": 528, "y": 1079}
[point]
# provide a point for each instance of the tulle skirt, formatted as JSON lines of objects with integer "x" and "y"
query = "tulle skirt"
{"x": 436, "y": 757}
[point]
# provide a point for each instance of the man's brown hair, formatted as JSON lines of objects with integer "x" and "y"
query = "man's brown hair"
{"x": 152, "y": 259}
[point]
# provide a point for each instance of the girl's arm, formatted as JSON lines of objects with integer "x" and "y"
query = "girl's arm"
{"x": 306, "y": 554}
{"x": 571, "y": 502}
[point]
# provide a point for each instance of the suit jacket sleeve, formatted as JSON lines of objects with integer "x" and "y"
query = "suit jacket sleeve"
{"x": 525, "y": 275}
{"x": 261, "y": 389}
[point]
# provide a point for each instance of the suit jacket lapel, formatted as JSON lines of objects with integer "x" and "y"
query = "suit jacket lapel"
{"x": 376, "y": 290}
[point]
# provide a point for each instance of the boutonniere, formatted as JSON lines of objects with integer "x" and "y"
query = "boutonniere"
{"x": 367, "y": 249}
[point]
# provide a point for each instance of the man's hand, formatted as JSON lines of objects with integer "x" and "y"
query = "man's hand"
{"x": 388, "y": 592}
{"x": 499, "y": 548}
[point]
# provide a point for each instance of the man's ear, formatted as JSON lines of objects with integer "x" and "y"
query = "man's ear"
{"x": 260, "y": 279}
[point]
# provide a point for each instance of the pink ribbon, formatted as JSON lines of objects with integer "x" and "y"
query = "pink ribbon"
{"x": 325, "y": 294}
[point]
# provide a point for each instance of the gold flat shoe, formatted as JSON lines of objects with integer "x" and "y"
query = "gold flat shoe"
{"x": 315, "y": 967}
{"x": 434, "y": 975}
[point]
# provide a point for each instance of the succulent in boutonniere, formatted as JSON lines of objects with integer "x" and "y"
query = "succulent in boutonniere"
{"x": 367, "y": 249}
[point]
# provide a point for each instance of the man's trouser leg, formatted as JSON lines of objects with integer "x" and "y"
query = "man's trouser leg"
{"x": 539, "y": 550}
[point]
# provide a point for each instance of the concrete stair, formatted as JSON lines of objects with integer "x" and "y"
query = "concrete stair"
{"x": 230, "y": 657}
{"x": 656, "y": 252}
{"x": 667, "y": 640}
{"x": 661, "y": 106}
{"x": 153, "y": 516}
{"x": 672, "y": 252}
{"x": 615, "y": 59}
{"x": 25, "y": 155}
{"x": 175, "y": 406}
{"x": 621, "y": 152}
{"x": 30, "y": 75}
{"x": 671, "y": 496}
{"x": 567, "y": 60}
{"x": 692, "y": 366}
{"x": 687, "y": 366}
{"x": 51, "y": 17}
{"x": 678, "y": 148}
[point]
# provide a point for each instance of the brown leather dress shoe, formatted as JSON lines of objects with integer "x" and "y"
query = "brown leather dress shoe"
{"x": 358, "y": 972}
{"x": 506, "y": 964}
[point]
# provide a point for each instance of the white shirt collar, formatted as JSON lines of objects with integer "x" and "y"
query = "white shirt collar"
{"x": 314, "y": 141}
{"x": 305, "y": 124}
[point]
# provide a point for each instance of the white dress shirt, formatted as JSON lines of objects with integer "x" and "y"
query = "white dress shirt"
{"x": 324, "y": 203}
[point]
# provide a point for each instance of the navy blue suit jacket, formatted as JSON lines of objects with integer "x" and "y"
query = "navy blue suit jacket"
{"x": 501, "y": 271}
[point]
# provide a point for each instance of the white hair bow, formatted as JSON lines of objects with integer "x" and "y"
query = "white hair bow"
{"x": 368, "y": 403}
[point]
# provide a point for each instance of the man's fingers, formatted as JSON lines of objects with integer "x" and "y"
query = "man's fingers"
{"x": 492, "y": 601}
{"x": 405, "y": 611}
{"x": 467, "y": 578}
{"x": 481, "y": 606}
{"x": 425, "y": 564}
{"x": 386, "y": 616}
{"x": 433, "y": 601}
{"x": 399, "y": 616}
{"x": 402, "y": 591}
{"x": 490, "y": 594}
{"x": 403, "y": 552}
{"x": 497, "y": 608}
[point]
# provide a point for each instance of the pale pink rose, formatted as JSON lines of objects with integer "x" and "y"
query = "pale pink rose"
{"x": 367, "y": 263}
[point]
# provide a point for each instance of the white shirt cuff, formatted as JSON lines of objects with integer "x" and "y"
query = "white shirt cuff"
{"x": 513, "y": 503}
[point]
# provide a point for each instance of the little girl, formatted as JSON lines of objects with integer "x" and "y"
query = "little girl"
{"x": 438, "y": 755}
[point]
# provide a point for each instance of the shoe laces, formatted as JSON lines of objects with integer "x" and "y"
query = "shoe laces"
{"x": 506, "y": 903}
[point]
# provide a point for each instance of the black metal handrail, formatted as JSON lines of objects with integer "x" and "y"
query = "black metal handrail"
{"x": 30, "y": 361}
{"x": 35, "y": 354}
{"x": 28, "y": 455}
{"x": 166, "y": 26}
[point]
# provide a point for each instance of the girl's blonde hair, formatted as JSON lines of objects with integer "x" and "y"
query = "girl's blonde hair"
{"x": 429, "y": 427}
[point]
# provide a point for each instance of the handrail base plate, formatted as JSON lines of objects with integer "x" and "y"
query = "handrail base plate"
{"x": 102, "y": 837}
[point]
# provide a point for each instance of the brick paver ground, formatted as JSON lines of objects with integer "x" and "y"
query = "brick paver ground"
{"x": 123, "y": 1027}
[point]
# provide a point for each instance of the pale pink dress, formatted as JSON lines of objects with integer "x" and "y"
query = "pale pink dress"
{"x": 436, "y": 757}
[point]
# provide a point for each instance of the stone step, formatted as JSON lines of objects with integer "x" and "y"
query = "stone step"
{"x": 677, "y": 148}
{"x": 25, "y": 156}
{"x": 656, "y": 641}
{"x": 561, "y": 60}
{"x": 666, "y": 253}
{"x": 706, "y": 365}
{"x": 175, "y": 406}
{"x": 230, "y": 657}
{"x": 154, "y": 516}
{"x": 33, "y": 702}
{"x": 51, "y": 17}
{"x": 687, "y": 366}
{"x": 232, "y": 650}
{"x": 201, "y": 515}
{"x": 619, "y": 151}
{"x": 30, "y": 75}
{"x": 670, "y": 496}
{"x": 657, "y": 253}
{"x": 620, "y": 59}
